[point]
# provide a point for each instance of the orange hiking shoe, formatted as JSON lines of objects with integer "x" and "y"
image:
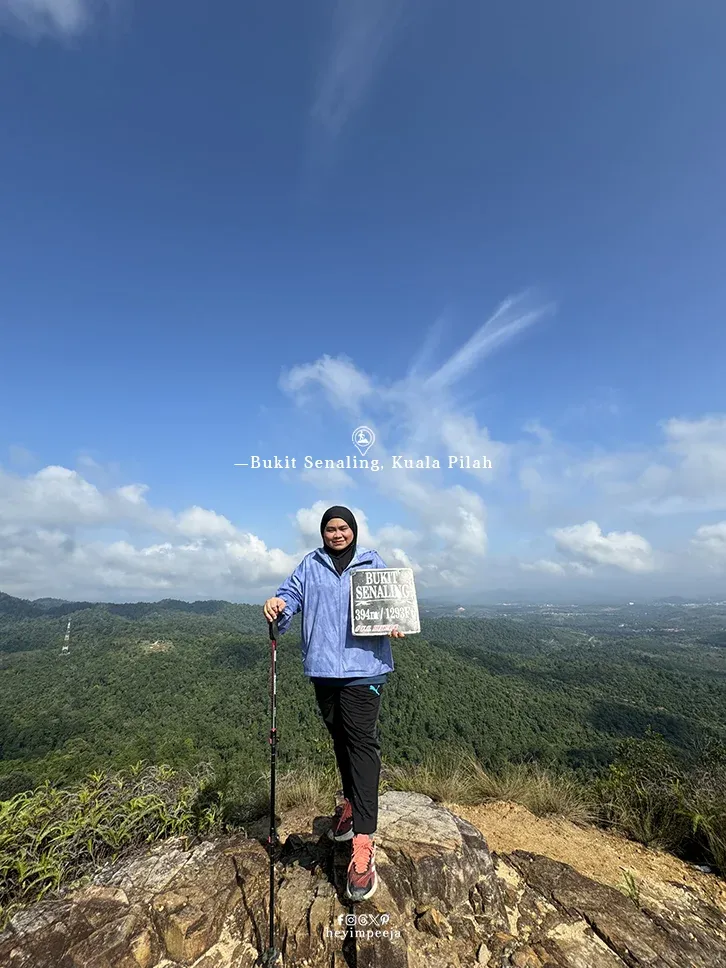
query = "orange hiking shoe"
{"x": 342, "y": 828}
{"x": 362, "y": 876}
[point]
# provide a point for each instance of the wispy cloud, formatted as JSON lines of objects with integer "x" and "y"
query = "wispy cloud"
{"x": 416, "y": 416}
{"x": 512, "y": 317}
{"x": 432, "y": 341}
{"x": 363, "y": 32}
{"x": 63, "y": 17}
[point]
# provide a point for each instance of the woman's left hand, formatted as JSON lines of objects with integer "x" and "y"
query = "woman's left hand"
{"x": 395, "y": 634}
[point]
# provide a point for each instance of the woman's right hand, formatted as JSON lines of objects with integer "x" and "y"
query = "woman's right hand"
{"x": 273, "y": 607}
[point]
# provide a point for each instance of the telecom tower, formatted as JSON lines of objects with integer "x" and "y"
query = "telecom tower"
{"x": 67, "y": 640}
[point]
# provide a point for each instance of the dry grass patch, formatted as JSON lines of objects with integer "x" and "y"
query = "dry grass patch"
{"x": 460, "y": 778}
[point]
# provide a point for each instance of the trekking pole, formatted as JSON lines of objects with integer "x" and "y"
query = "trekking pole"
{"x": 272, "y": 957}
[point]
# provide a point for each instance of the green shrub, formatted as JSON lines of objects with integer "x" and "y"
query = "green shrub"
{"x": 53, "y": 836}
{"x": 702, "y": 800}
{"x": 656, "y": 796}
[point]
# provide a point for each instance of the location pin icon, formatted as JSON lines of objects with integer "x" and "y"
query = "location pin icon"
{"x": 363, "y": 438}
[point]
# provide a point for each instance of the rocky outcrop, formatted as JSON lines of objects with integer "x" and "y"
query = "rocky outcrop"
{"x": 444, "y": 901}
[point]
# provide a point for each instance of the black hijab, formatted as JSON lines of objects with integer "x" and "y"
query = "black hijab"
{"x": 341, "y": 557}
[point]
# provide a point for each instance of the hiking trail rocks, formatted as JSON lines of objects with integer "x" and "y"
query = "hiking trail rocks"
{"x": 443, "y": 901}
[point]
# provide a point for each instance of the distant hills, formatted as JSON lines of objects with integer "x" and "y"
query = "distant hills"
{"x": 50, "y": 607}
{"x": 53, "y": 607}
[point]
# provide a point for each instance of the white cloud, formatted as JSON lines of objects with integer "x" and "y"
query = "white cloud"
{"x": 462, "y": 435}
{"x": 685, "y": 472}
{"x": 710, "y": 541}
{"x": 344, "y": 385}
{"x": 133, "y": 493}
{"x": 198, "y": 522}
{"x": 692, "y": 472}
{"x": 587, "y": 544}
{"x": 46, "y": 517}
{"x": 64, "y": 17}
{"x": 55, "y": 494}
{"x": 307, "y": 521}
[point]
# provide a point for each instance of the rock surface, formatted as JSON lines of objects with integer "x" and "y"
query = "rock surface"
{"x": 444, "y": 901}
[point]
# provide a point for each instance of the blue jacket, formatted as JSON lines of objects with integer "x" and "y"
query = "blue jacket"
{"x": 329, "y": 648}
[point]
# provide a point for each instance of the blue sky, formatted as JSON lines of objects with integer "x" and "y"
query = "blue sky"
{"x": 233, "y": 229}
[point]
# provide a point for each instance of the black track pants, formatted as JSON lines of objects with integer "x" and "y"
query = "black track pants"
{"x": 351, "y": 715}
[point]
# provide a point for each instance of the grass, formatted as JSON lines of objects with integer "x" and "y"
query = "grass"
{"x": 307, "y": 789}
{"x": 630, "y": 887}
{"x": 245, "y": 799}
{"x": 444, "y": 776}
{"x": 52, "y": 836}
{"x": 441, "y": 777}
{"x": 462, "y": 779}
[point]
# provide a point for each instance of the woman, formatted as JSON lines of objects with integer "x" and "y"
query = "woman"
{"x": 348, "y": 673}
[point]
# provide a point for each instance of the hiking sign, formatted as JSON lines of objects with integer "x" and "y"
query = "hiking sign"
{"x": 383, "y": 599}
